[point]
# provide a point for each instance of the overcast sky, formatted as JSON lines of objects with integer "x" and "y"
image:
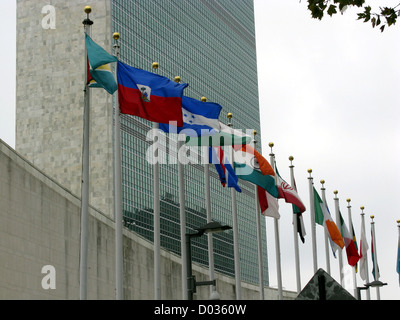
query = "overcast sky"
{"x": 329, "y": 97}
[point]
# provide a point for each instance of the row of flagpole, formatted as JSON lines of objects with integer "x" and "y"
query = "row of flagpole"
{"x": 157, "y": 263}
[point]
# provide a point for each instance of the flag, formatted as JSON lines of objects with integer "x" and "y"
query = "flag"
{"x": 301, "y": 230}
{"x": 323, "y": 217}
{"x": 253, "y": 167}
{"x": 199, "y": 118}
{"x": 99, "y": 71}
{"x": 375, "y": 274}
{"x": 226, "y": 136}
{"x": 224, "y": 168}
{"x": 351, "y": 249}
{"x": 353, "y": 234}
{"x": 288, "y": 193}
{"x": 398, "y": 257}
{"x": 269, "y": 205}
{"x": 363, "y": 253}
{"x": 149, "y": 96}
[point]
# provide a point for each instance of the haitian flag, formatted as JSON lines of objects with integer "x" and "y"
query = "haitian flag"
{"x": 148, "y": 95}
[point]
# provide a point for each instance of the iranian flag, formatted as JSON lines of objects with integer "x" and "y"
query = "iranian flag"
{"x": 351, "y": 249}
{"x": 288, "y": 193}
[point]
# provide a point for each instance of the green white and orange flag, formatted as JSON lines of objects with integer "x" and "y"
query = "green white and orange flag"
{"x": 323, "y": 218}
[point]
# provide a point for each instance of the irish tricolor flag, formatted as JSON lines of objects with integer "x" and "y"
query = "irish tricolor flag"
{"x": 351, "y": 249}
{"x": 323, "y": 217}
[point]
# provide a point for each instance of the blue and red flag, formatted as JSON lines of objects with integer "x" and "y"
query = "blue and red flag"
{"x": 148, "y": 95}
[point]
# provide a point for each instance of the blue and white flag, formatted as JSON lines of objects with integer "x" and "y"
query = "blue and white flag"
{"x": 199, "y": 118}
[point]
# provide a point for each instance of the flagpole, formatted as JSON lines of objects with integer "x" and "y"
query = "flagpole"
{"x": 295, "y": 230}
{"x": 276, "y": 229}
{"x": 259, "y": 242}
{"x": 336, "y": 199}
{"x": 85, "y": 170}
{"x": 235, "y": 229}
{"x": 156, "y": 209}
{"x": 366, "y": 258}
{"x": 378, "y": 296}
{"x": 351, "y": 233}
{"x": 312, "y": 214}
{"x": 119, "y": 294}
{"x": 182, "y": 214}
{"x": 207, "y": 186}
{"x": 328, "y": 263}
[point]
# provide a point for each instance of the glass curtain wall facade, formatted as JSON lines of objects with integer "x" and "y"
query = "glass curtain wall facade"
{"x": 210, "y": 44}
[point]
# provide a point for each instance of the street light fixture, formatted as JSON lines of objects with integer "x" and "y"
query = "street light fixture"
{"x": 211, "y": 227}
{"x": 373, "y": 284}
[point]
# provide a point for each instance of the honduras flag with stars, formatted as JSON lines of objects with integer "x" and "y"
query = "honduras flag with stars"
{"x": 199, "y": 118}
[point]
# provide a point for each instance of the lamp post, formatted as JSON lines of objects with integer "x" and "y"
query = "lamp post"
{"x": 373, "y": 284}
{"x": 211, "y": 227}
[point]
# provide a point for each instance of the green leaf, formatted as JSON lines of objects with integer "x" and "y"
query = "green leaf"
{"x": 331, "y": 10}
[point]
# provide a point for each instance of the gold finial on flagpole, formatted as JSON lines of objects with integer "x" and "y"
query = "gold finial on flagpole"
{"x": 322, "y": 181}
{"x": 155, "y": 65}
{"x": 177, "y": 79}
{"x": 229, "y": 116}
{"x": 203, "y": 99}
{"x": 271, "y": 145}
{"x": 88, "y": 9}
{"x": 116, "y": 36}
{"x": 87, "y": 21}
{"x": 291, "y": 158}
{"x": 372, "y": 218}
{"x": 398, "y": 222}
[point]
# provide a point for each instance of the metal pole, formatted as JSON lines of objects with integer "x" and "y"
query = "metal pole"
{"x": 295, "y": 230}
{"x": 312, "y": 216}
{"x": 235, "y": 231}
{"x": 182, "y": 214}
{"x": 277, "y": 242}
{"x": 351, "y": 233}
{"x": 259, "y": 242}
{"x": 336, "y": 199}
{"x": 156, "y": 209}
{"x": 119, "y": 260}
{"x": 366, "y": 254}
{"x": 378, "y": 296}
{"x": 208, "y": 209}
{"x": 85, "y": 171}
{"x": 328, "y": 264}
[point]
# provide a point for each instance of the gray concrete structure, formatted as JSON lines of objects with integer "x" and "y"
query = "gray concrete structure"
{"x": 40, "y": 226}
{"x": 49, "y": 96}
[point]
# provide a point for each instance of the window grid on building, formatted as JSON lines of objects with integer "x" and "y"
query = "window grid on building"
{"x": 210, "y": 44}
